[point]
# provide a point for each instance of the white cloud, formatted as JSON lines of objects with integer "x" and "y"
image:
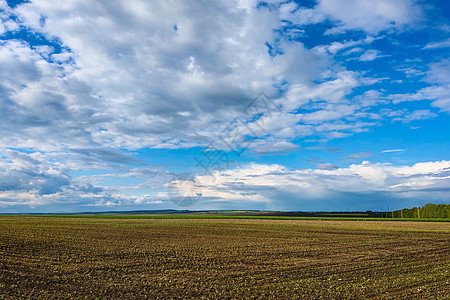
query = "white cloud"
{"x": 129, "y": 79}
{"x": 443, "y": 104}
{"x": 35, "y": 180}
{"x": 370, "y": 55}
{"x": 416, "y": 115}
{"x": 299, "y": 15}
{"x": 411, "y": 71}
{"x": 335, "y": 47}
{"x": 439, "y": 72}
{"x": 276, "y": 186}
{"x": 170, "y": 75}
{"x": 353, "y": 50}
{"x": 440, "y": 44}
{"x": 333, "y": 112}
{"x": 439, "y": 92}
{"x": 6, "y": 24}
{"x": 333, "y": 90}
{"x": 392, "y": 150}
{"x": 32, "y": 180}
{"x": 372, "y": 16}
{"x": 428, "y": 93}
{"x": 370, "y": 98}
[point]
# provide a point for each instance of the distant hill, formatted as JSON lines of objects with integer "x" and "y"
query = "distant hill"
{"x": 428, "y": 211}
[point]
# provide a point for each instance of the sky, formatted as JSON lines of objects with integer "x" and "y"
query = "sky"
{"x": 328, "y": 105}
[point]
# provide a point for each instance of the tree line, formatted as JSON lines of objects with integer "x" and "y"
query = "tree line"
{"x": 428, "y": 211}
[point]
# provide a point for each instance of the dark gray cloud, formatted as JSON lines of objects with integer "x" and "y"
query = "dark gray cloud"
{"x": 25, "y": 173}
{"x": 105, "y": 155}
{"x": 326, "y": 166}
{"x": 356, "y": 156}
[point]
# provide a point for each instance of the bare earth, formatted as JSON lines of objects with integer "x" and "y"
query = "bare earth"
{"x": 43, "y": 257}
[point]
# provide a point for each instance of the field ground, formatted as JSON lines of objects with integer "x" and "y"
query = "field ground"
{"x": 56, "y": 257}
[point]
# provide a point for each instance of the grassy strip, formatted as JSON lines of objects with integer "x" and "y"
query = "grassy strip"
{"x": 175, "y": 216}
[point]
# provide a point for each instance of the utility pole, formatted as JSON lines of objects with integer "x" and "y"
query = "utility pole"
{"x": 401, "y": 212}
{"x": 418, "y": 212}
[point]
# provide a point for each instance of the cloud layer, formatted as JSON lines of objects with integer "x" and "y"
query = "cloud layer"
{"x": 83, "y": 85}
{"x": 363, "y": 186}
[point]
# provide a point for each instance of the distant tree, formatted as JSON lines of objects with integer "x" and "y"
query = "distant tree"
{"x": 429, "y": 210}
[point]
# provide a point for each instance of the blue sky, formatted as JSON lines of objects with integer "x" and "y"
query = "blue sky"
{"x": 300, "y": 105}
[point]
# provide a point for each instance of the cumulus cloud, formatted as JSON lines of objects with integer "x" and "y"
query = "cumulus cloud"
{"x": 439, "y": 72}
{"x": 370, "y": 16}
{"x": 115, "y": 90}
{"x": 93, "y": 84}
{"x": 370, "y": 98}
{"x": 276, "y": 186}
{"x": 31, "y": 173}
{"x": 30, "y": 179}
{"x": 36, "y": 181}
{"x": 439, "y": 92}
